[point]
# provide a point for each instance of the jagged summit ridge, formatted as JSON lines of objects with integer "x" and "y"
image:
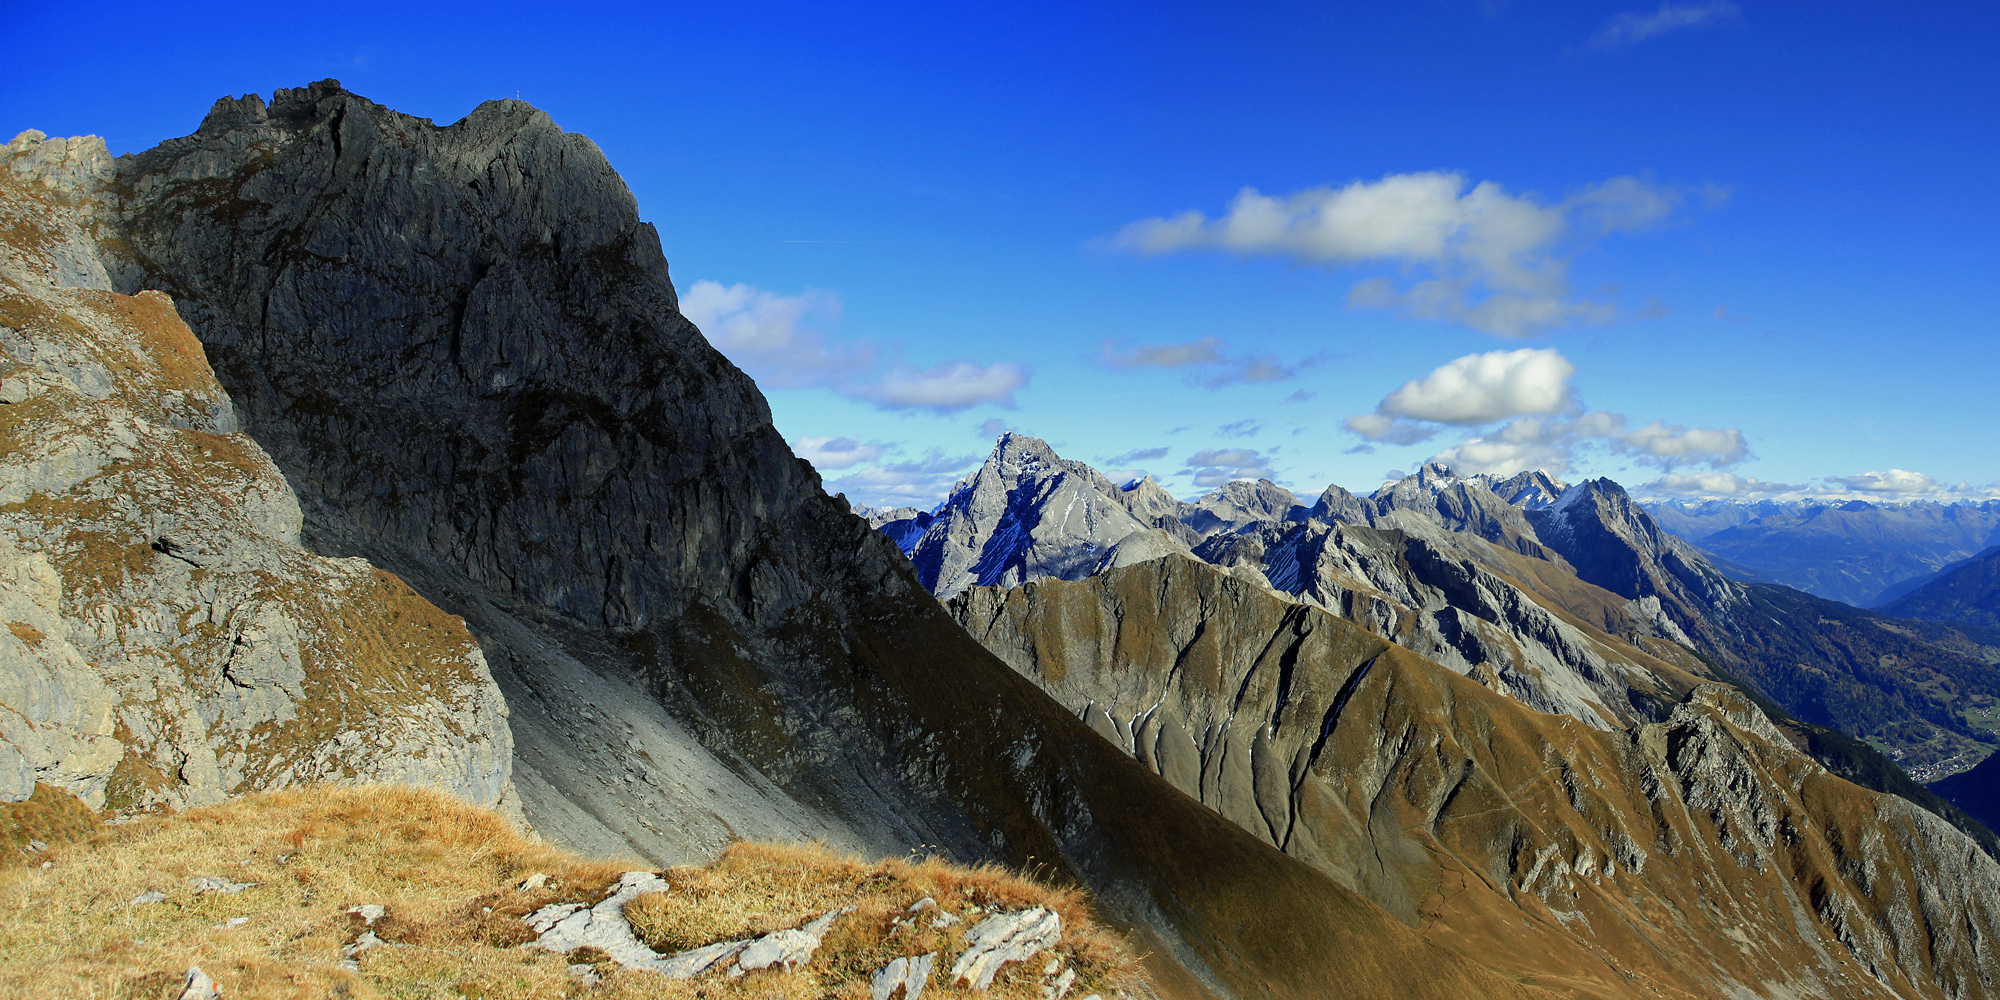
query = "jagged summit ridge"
{"x": 1573, "y": 599}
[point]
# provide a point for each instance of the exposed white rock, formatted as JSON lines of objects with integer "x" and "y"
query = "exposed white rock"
{"x": 909, "y": 974}
{"x": 211, "y": 883}
{"x": 1003, "y": 938}
{"x": 144, "y": 898}
{"x": 695, "y": 961}
{"x": 565, "y": 927}
{"x": 1059, "y": 987}
{"x": 789, "y": 948}
{"x": 196, "y": 985}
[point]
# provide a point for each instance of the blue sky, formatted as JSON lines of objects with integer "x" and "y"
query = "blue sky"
{"x": 1726, "y": 247}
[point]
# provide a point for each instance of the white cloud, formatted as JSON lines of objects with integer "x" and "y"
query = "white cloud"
{"x": 1203, "y": 353}
{"x": 1482, "y": 388}
{"x": 1388, "y": 430}
{"x": 1491, "y": 256}
{"x": 1896, "y": 482}
{"x": 1660, "y": 445}
{"x": 1544, "y": 424}
{"x": 991, "y": 427}
{"x": 954, "y": 385}
{"x": 1714, "y": 484}
{"x": 765, "y": 334}
{"x": 1206, "y": 351}
{"x": 1551, "y": 444}
{"x": 1519, "y": 445}
{"x": 770, "y": 336}
{"x": 1632, "y": 28}
{"x": 921, "y": 483}
{"x": 1218, "y": 466}
{"x": 828, "y": 453}
{"x": 1138, "y": 455}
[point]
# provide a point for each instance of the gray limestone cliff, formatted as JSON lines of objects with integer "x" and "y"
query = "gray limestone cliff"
{"x": 168, "y": 641}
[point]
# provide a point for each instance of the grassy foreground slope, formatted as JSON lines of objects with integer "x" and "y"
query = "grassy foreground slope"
{"x": 448, "y": 877}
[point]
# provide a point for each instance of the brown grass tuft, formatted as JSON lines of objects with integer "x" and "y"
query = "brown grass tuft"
{"x": 51, "y": 816}
{"x": 447, "y": 873}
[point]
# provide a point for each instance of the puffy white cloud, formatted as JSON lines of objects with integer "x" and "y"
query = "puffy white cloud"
{"x": 1667, "y": 446}
{"x": 1544, "y": 424}
{"x": 1714, "y": 484}
{"x": 1896, "y": 482}
{"x": 827, "y": 453}
{"x": 1217, "y": 466}
{"x": 1482, "y": 388}
{"x": 1518, "y": 445}
{"x": 1491, "y": 256}
{"x": 1550, "y": 444}
{"x": 770, "y": 336}
{"x": 1632, "y": 28}
{"x": 1203, "y": 353}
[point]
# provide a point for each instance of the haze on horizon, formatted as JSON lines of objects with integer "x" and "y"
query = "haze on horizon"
{"x": 1703, "y": 247}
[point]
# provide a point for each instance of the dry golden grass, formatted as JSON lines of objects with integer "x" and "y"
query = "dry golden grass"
{"x": 446, "y": 873}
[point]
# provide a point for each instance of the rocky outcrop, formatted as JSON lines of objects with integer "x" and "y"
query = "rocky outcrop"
{"x": 1026, "y": 514}
{"x": 168, "y": 641}
{"x": 1702, "y": 854}
{"x": 463, "y": 347}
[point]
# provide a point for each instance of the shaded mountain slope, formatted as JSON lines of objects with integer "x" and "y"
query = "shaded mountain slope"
{"x": 1702, "y": 855}
{"x": 1976, "y": 791}
{"x": 464, "y": 348}
{"x": 1966, "y": 594}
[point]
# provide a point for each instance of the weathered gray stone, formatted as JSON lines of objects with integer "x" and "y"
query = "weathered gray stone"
{"x": 211, "y": 883}
{"x": 196, "y": 984}
{"x": 910, "y": 974}
{"x": 565, "y": 927}
{"x": 158, "y": 607}
{"x": 1001, "y": 939}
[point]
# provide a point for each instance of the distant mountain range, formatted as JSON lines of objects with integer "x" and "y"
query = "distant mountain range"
{"x": 1861, "y": 553}
{"x": 1402, "y": 689}
{"x": 1571, "y": 599}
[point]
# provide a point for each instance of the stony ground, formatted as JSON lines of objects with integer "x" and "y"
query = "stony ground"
{"x": 397, "y": 892}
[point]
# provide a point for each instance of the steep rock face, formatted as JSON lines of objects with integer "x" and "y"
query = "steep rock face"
{"x": 1702, "y": 855}
{"x": 1435, "y": 495}
{"x": 1427, "y": 591}
{"x": 168, "y": 642}
{"x": 1611, "y": 542}
{"x": 464, "y": 346}
{"x": 1026, "y": 514}
{"x": 1238, "y": 504}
